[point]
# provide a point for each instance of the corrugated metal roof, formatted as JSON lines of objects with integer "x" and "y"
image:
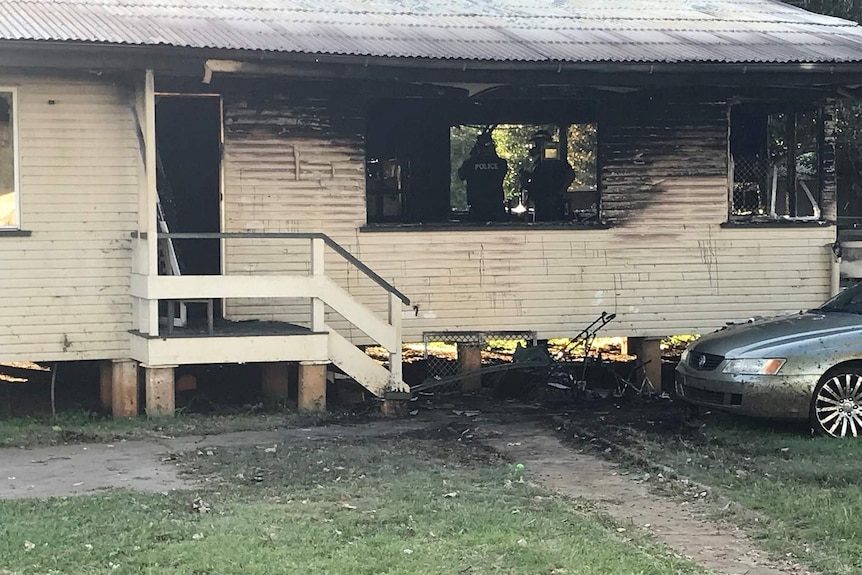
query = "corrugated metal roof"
{"x": 744, "y": 31}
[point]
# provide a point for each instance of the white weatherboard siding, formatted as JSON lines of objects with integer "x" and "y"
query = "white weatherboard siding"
{"x": 64, "y": 290}
{"x": 557, "y": 282}
{"x": 666, "y": 267}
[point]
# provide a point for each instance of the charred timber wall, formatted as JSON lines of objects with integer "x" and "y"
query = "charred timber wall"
{"x": 664, "y": 163}
{"x": 666, "y": 265}
{"x": 292, "y": 162}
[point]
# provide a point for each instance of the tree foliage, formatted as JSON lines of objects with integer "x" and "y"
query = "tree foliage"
{"x": 461, "y": 140}
{"x": 582, "y": 154}
{"x": 513, "y": 143}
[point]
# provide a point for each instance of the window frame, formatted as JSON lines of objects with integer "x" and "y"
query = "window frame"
{"x": 786, "y": 108}
{"x": 16, "y": 161}
{"x": 382, "y": 222}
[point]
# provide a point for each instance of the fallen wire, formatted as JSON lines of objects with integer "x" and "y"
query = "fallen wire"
{"x": 47, "y": 460}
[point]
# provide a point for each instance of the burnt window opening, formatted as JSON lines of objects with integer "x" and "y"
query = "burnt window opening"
{"x": 406, "y": 163}
{"x": 424, "y": 164}
{"x": 571, "y": 146}
{"x": 776, "y": 162}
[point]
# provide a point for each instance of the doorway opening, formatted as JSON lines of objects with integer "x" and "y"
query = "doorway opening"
{"x": 188, "y": 144}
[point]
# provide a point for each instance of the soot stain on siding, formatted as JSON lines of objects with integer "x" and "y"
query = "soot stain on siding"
{"x": 649, "y": 149}
{"x": 320, "y": 112}
{"x": 655, "y": 153}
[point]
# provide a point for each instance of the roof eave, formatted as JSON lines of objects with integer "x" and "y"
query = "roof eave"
{"x": 187, "y": 60}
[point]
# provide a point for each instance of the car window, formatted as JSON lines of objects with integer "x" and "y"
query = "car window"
{"x": 848, "y": 301}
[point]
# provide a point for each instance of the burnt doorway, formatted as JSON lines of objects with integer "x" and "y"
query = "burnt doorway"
{"x": 188, "y": 144}
{"x": 188, "y": 140}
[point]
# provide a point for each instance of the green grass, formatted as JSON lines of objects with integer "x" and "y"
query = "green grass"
{"x": 81, "y": 427}
{"x": 806, "y": 492}
{"x": 382, "y": 507}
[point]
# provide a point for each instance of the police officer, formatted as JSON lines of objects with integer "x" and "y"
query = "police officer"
{"x": 548, "y": 179}
{"x": 484, "y": 171}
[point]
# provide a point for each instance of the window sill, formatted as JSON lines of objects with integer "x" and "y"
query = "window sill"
{"x": 476, "y": 227}
{"x": 10, "y": 233}
{"x": 777, "y": 224}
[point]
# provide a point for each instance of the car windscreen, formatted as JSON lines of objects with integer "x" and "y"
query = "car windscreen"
{"x": 848, "y": 301}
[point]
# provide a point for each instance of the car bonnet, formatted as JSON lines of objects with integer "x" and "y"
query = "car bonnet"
{"x": 750, "y": 340}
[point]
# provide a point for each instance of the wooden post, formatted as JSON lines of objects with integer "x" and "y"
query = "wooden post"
{"x": 791, "y": 139}
{"x": 395, "y": 354}
{"x": 648, "y": 349}
{"x": 145, "y": 246}
{"x": 160, "y": 393}
{"x": 124, "y": 388}
{"x": 470, "y": 359}
{"x": 835, "y": 260}
{"x": 318, "y": 312}
{"x": 312, "y": 387}
{"x": 146, "y": 112}
{"x": 275, "y": 381}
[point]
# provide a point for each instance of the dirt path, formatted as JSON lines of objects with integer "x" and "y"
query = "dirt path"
{"x": 148, "y": 466}
{"x": 563, "y": 469}
{"x": 145, "y": 465}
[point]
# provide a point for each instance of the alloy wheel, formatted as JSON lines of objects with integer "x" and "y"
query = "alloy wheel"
{"x": 838, "y": 405}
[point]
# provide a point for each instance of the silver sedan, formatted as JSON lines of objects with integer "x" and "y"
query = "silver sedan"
{"x": 803, "y": 366}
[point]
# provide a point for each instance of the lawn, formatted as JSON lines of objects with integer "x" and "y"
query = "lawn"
{"x": 397, "y": 505}
{"x": 800, "y": 496}
{"x": 81, "y": 427}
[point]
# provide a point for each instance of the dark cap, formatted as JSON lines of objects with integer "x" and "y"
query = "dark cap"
{"x": 541, "y": 136}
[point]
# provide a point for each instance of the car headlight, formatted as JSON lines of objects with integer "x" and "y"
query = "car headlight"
{"x": 684, "y": 357}
{"x": 754, "y": 366}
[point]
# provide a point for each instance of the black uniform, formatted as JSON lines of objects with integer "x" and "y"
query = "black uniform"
{"x": 546, "y": 187}
{"x": 484, "y": 173}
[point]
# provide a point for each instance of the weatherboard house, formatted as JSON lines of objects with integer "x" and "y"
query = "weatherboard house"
{"x": 269, "y": 181}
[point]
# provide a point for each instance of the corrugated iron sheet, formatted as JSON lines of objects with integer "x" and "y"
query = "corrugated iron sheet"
{"x": 497, "y": 30}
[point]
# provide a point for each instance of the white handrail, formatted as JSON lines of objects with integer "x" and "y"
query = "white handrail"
{"x": 320, "y": 289}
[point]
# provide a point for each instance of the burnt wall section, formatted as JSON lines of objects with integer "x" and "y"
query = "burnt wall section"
{"x": 663, "y": 161}
{"x": 295, "y": 161}
{"x": 294, "y": 110}
{"x": 829, "y": 173}
{"x": 294, "y": 156}
{"x": 660, "y": 161}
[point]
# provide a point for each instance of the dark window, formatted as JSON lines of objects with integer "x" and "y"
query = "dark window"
{"x": 775, "y": 162}
{"x": 425, "y": 166}
{"x": 512, "y": 142}
{"x": 407, "y": 163}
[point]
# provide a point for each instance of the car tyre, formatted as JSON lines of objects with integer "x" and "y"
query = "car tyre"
{"x": 836, "y": 405}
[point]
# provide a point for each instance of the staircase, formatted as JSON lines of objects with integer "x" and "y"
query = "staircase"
{"x": 364, "y": 370}
{"x": 318, "y": 343}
